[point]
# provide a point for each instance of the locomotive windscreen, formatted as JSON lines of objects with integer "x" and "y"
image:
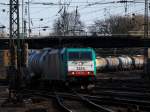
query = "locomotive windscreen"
{"x": 80, "y": 56}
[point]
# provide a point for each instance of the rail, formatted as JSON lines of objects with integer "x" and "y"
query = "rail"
{"x": 60, "y": 102}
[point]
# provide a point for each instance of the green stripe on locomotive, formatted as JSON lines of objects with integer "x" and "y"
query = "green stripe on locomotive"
{"x": 64, "y": 63}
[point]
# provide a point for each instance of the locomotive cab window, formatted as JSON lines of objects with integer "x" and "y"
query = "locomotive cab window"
{"x": 80, "y": 56}
{"x": 86, "y": 55}
{"x": 73, "y": 56}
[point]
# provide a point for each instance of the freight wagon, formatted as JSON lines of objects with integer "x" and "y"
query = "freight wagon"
{"x": 120, "y": 63}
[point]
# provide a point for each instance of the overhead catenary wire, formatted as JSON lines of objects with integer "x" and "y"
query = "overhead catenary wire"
{"x": 71, "y": 4}
{"x": 86, "y": 3}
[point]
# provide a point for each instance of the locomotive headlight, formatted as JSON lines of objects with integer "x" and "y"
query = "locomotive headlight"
{"x": 88, "y": 73}
{"x": 73, "y": 73}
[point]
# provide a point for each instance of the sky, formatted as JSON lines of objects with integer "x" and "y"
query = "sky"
{"x": 48, "y": 10}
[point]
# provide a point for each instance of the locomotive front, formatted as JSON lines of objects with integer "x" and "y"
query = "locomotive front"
{"x": 81, "y": 63}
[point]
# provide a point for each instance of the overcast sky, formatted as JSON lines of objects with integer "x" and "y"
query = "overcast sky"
{"x": 90, "y": 10}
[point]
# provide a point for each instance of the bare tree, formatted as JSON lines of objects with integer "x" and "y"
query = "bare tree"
{"x": 117, "y": 25}
{"x": 68, "y": 24}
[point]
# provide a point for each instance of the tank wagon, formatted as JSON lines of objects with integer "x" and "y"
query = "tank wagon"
{"x": 101, "y": 63}
{"x": 112, "y": 63}
{"x": 120, "y": 63}
{"x": 67, "y": 64}
{"x": 138, "y": 61}
{"x": 125, "y": 63}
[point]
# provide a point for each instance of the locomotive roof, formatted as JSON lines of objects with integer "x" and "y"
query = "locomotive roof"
{"x": 79, "y": 49}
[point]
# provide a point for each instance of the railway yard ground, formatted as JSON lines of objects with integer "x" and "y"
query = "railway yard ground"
{"x": 113, "y": 92}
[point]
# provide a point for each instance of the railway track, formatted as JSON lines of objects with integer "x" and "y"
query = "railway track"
{"x": 69, "y": 101}
{"x": 134, "y": 104}
{"x": 123, "y": 89}
{"x": 76, "y": 106}
{"x": 92, "y": 104}
{"x": 123, "y": 81}
{"x": 3, "y": 82}
{"x": 123, "y": 85}
{"x": 100, "y": 99}
{"x": 123, "y": 94}
{"x": 137, "y": 105}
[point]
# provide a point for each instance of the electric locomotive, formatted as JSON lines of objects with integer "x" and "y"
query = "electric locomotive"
{"x": 64, "y": 65}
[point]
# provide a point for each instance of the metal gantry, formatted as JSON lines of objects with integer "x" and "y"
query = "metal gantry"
{"x": 146, "y": 37}
{"x": 146, "y": 20}
{"x": 14, "y": 29}
{"x": 14, "y": 19}
{"x": 14, "y": 70}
